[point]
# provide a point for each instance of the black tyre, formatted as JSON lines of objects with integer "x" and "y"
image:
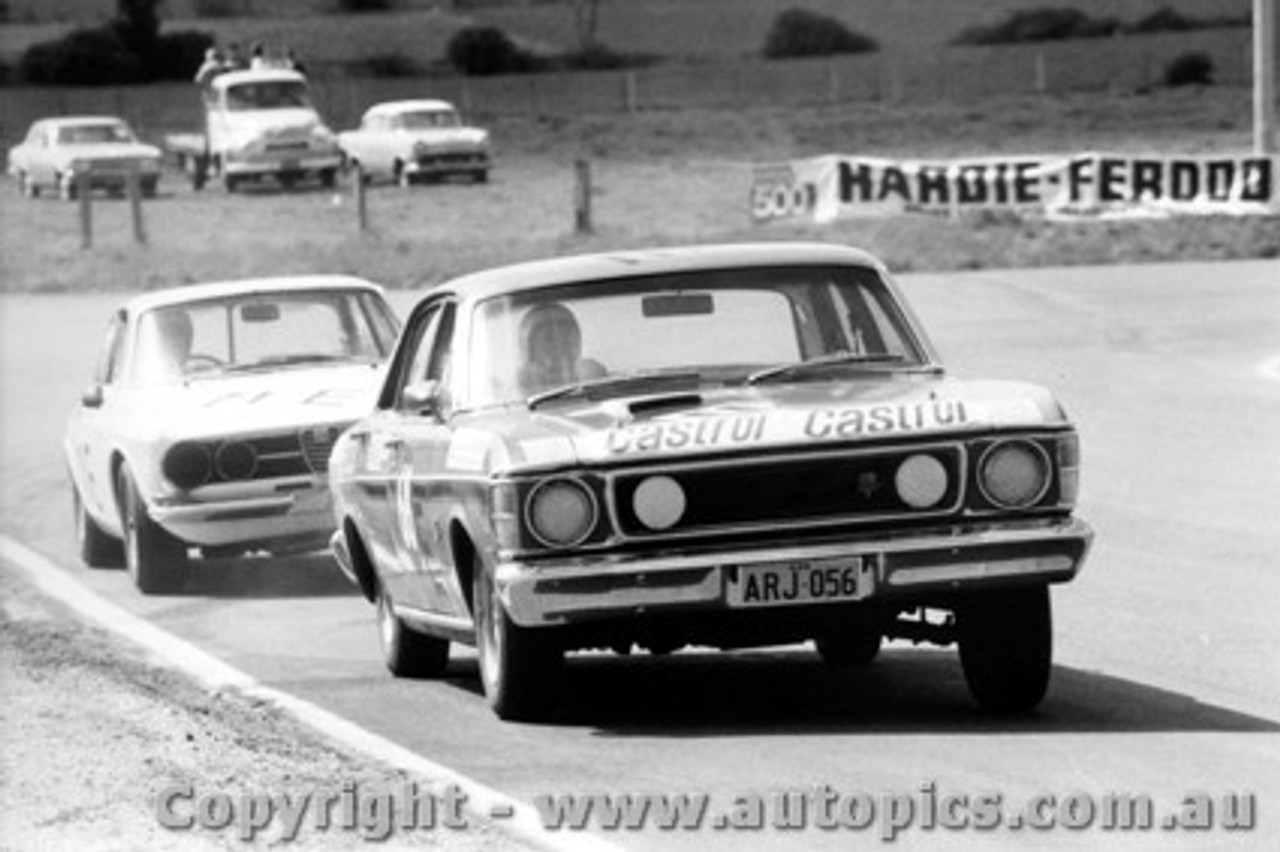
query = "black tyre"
{"x": 406, "y": 652}
{"x": 149, "y": 188}
{"x": 329, "y": 178}
{"x": 27, "y": 186}
{"x": 857, "y": 645}
{"x": 66, "y": 187}
{"x": 480, "y": 176}
{"x": 404, "y": 177}
{"x": 1006, "y": 647}
{"x": 97, "y": 548}
{"x": 519, "y": 667}
{"x": 157, "y": 561}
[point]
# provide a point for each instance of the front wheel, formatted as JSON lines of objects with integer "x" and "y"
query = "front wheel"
{"x": 519, "y": 667}
{"x": 27, "y": 186}
{"x": 97, "y": 548}
{"x": 1006, "y": 647}
{"x": 406, "y": 652}
{"x": 157, "y": 561}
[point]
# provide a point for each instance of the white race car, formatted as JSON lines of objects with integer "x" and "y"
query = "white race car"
{"x": 210, "y": 419}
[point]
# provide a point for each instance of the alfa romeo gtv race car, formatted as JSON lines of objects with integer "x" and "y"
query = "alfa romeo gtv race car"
{"x": 211, "y": 415}
{"x": 729, "y": 446}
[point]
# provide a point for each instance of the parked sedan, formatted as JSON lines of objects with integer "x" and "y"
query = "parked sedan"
{"x": 208, "y": 425}
{"x": 408, "y": 140}
{"x": 726, "y": 445}
{"x": 57, "y": 153}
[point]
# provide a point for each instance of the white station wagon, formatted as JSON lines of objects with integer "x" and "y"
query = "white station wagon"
{"x": 211, "y": 416}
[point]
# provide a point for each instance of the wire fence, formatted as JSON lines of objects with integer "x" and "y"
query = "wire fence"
{"x": 1123, "y": 63}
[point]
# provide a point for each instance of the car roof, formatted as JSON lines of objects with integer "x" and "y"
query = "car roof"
{"x": 247, "y": 286}
{"x": 257, "y": 75}
{"x": 77, "y": 120}
{"x": 632, "y": 263}
{"x": 408, "y": 106}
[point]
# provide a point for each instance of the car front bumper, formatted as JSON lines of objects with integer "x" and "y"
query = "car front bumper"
{"x": 904, "y": 568}
{"x": 265, "y": 164}
{"x": 296, "y": 513}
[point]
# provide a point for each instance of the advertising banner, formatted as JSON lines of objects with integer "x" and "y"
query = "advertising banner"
{"x": 1092, "y": 185}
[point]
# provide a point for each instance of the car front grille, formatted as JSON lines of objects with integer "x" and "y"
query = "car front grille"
{"x": 797, "y": 491}
{"x": 317, "y": 442}
{"x": 298, "y": 453}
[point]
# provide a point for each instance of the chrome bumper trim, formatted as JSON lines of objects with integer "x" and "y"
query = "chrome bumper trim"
{"x": 615, "y": 586}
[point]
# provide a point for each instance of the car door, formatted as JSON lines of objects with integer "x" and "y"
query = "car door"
{"x": 93, "y": 435}
{"x": 421, "y": 498}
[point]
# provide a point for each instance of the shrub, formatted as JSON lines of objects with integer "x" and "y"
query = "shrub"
{"x": 358, "y": 6}
{"x": 1051, "y": 24}
{"x": 481, "y": 51}
{"x": 177, "y": 55}
{"x": 84, "y": 57}
{"x": 1189, "y": 69}
{"x": 217, "y": 8}
{"x": 798, "y": 32}
{"x": 387, "y": 65}
{"x": 1163, "y": 19}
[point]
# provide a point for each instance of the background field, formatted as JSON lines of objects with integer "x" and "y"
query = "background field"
{"x": 661, "y": 177}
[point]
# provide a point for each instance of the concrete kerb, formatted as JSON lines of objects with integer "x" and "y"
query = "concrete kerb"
{"x": 482, "y": 802}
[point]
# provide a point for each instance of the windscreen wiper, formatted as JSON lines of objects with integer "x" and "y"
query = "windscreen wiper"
{"x": 822, "y": 362}
{"x": 620, "y": 385}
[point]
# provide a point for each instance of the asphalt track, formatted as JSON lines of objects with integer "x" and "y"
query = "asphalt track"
{"x": 1166, "y": 682}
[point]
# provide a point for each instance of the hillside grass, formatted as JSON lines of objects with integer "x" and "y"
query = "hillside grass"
{"x": 661, "y": 178}
{"x": 681, "y": 30}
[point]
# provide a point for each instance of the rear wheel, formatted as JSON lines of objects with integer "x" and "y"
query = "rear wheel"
{"x": 406, "y": 652}
{"x": 519, "y": 667}
{"x": 97, "y": 548}
{"x": 157, "y": 561}
{"x": 1006, "y": 647}
{"x": 329, "y": 178}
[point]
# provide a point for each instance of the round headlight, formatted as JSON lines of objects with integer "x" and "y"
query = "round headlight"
{"x": 235, "y": 460}
{"x": 187, "y": 464}
{"x": 561, "y": 512}
{"x": 659, "y": 502}
{"x": 1014, "y": 474}
{"x": 921, "y": 481}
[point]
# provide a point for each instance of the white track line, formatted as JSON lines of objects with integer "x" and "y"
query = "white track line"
{"x": 482, "y": 801}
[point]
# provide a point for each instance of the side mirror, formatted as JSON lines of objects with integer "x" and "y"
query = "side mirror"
{"x": 422, "y": 397}
{"x": 92, "y": 397}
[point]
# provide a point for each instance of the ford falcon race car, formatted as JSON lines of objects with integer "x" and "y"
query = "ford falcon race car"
{"x": 729, "y": 446}
{"x": 211, "y": 416}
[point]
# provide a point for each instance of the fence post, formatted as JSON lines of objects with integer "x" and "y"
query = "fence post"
{"x": 83, "y": 191}
{"x": 629, "y": 92}
{"x": 133, "y": 184}
{"x": 362, "y": 205}
{"x": 1042, "y": 73}
{"x": 833, "y": 82}
{"x": 582, "y": 197}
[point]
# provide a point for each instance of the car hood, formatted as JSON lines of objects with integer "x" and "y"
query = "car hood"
{"x": 297, "y": 121}
{"x": 448, "y": 137}
{"x": 764, "y": 418}
{"x": 256, "y": 403}
{"x": 108, "y": 151}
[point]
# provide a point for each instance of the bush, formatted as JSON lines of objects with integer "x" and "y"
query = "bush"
{"x": 1052, "y": 24}
{"x": 358, "y": 6}
{"x": 88, "y": 57}
{"x": 1163, "y": 19}
{"x": 798, "y": 32}
{"x": 178, "y": 55}
{"x": 1189, "y": 69}
{"x": 483, "y": 51}
{"x": 387, "y": 65}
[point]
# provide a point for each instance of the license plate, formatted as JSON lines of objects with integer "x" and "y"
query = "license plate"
{"x": 848, "y": 578}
